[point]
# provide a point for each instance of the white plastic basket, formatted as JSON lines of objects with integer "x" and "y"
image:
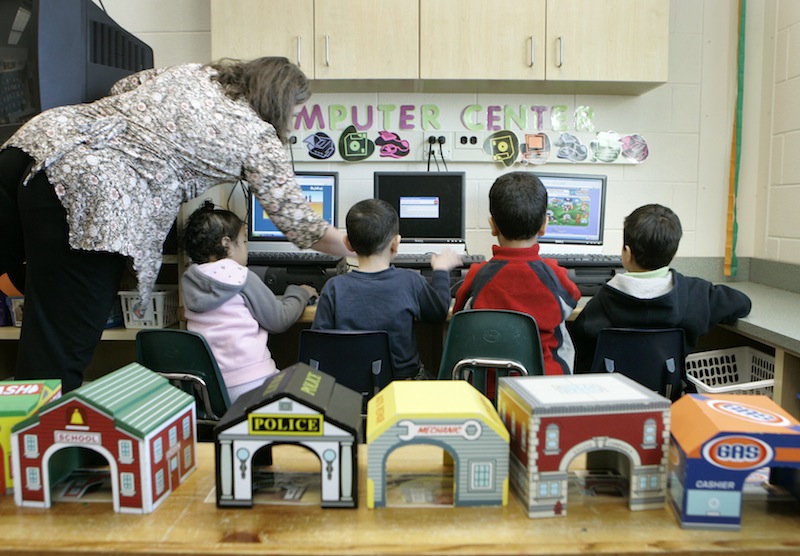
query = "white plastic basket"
{"x": 161, "y": 312}
{"x": 739, "y": 370}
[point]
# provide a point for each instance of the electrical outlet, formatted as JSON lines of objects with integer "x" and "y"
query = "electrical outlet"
{"x": 442, "y": 145}
{"x": 468, "y": 140}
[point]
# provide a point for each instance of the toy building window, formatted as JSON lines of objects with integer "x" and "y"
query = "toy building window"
{"x": 523, "y": 438}
{"x": 33, "y": 478}
{"x": 481, "y": 476}
{"x": 187, "y": 428}
{"x": 158, "y": 450}
{"x": 187, "y": 457}
{"x": 125, "y": 451}
{"x": 173, "y": 436}
{"x": 127, "y": 484}
{"x": 549, "y": 489}
{"x": 552, "y": 440}
{"x": 31, "y": 446}
{"x": 649, "y": 434}
{"x": 160, "y": 482}
{"x": 285, "y": 406}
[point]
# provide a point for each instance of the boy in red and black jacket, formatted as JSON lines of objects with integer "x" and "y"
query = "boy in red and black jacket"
{"x": 516, "y": 278}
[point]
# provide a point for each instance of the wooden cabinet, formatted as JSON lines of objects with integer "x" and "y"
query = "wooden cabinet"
{"x": 328, "y": 39}
{"x": 607, "y": 40}
{"x": 366, "y": 39}
{"x": 248, "y": 29}
{"x": 475, "y": 39}
{"x": 547, "y": 45}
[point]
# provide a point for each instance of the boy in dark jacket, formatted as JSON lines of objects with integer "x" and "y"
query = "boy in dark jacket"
{"x": 650, "y": 294}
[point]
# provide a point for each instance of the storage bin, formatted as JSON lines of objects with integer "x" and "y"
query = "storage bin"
{"x": 739, "y": 370}
{"x": 161, "y": 312}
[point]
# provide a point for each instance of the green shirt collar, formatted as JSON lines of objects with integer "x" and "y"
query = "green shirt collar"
{"x": 657, "y": 273}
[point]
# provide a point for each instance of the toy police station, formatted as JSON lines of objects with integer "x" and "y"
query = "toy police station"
{"x": 299, "y": 405}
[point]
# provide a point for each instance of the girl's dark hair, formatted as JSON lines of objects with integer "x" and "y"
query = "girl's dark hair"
{"x": 272, "y": 85}
{"x": 653, "y": 233}
{"x": 371, "y": 226}
{"x": 202, "y": 236}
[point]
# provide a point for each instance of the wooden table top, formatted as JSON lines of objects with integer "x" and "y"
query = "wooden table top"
{"x": 188, "y": 522}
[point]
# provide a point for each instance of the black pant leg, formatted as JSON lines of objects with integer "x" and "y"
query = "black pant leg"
{"x": 68, "y": 294}
{"x": 14, "y": 165}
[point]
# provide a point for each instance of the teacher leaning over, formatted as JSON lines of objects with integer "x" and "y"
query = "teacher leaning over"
{"x": 84, "y": 188}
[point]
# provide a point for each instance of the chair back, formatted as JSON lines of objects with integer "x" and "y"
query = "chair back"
{"x": 651, "y": 357}
{"x": 357, "y": 359}
{"x": 482, "y": 339}
{"x": 186, "y": 360}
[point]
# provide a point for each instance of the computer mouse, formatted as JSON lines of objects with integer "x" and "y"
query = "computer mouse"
{"x": 312, "y": 301}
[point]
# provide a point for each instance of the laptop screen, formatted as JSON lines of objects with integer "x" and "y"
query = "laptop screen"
{"x": 322, "y": 193}
{"x": 430, "y": 204}
{"x": 575, "y": 208}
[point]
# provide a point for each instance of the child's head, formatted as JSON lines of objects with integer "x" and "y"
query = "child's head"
{"x": 652, "y": 233}
{"x": 372, "y": 225}
{"x": 518, "y": 205}
{"x": 212, "y": 234}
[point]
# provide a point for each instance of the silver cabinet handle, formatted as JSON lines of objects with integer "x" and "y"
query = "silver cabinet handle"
{"x": 327, "y": 50}
{"x": 532, "y": 51}
{"x": 560, "y": 51}
{"x": 298, "y": 51}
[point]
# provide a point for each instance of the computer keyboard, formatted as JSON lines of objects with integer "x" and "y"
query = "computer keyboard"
{"x": 423, "y": 260}
{"x": 573, "y": 260}
{"x": 292, "y": 258}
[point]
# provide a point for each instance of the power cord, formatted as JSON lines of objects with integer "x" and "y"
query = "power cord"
{"x": 441, "y": 140}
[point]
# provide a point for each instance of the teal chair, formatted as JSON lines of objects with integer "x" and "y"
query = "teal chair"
{"x": 186, "y": 360}
{"x": 483, "y": 345}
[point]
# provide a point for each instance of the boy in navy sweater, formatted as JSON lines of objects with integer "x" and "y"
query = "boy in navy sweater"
{"x": 379, "y": 296}
{"x": 517, "y": 278}
{"x": 650, "y": 294}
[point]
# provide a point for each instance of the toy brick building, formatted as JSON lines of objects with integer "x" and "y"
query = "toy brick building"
{"x": 141, "y": 425}
{"x": 716, "y": 442}
{"x": 554, "y": 419}
{"x": 19, "y": 399}
{"x": 298, "y": 405}
{"x": 450, "y": 414}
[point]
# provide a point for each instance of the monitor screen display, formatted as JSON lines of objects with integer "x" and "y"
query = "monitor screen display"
{"x": 321, "y": 191}
{"x": 430, "y": 204}
{"x": 575, "y": 208}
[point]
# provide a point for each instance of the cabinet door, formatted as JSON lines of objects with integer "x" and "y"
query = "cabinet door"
{"x": 249, "y": 29}
{"x": 480, "y": 39}
{"x": 607, "y": 40}
{"x": 366, "y": 39}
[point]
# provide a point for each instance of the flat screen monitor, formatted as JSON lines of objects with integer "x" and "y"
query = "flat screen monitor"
{"x": 430, "y": 204}
{"x": 575, "y": 208}
{"x": 322, "y": 192}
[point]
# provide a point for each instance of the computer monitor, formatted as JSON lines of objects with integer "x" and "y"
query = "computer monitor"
{"x": 575, "y": 208}
{"x": 58, "y": 52}
{"x": 430, "y": 206}
{"x": 322, "y": 192}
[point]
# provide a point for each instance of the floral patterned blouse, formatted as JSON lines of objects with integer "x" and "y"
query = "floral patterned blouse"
{"x": 123, "y": 165}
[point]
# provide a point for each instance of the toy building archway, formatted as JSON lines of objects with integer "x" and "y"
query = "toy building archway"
{"x": 100, "y": 450}
{"x": 449, "y": 458}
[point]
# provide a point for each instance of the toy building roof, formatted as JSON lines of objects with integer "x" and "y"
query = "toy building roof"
{"x": 584, "y": 394}
{"x": 311, "y": 387}
{"x": 19, "y": 398}
{"x": 697, "y": 418}
{"x": 138, "y": 399}
{"x": 429, "y": 399}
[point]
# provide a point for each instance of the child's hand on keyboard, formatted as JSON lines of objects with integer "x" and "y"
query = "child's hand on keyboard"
{"x": 446, "y": 260}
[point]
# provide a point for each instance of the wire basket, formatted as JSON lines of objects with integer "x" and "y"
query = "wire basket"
{"x": 739, "y": 370}
{"x": 161, "y": 312}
